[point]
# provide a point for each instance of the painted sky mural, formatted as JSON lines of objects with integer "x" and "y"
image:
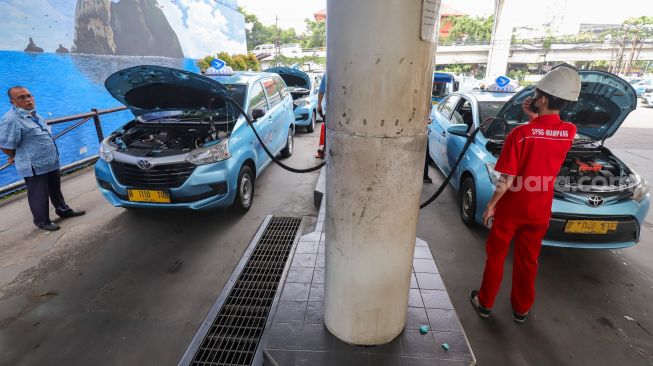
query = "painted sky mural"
{"x": 169, "y": 28}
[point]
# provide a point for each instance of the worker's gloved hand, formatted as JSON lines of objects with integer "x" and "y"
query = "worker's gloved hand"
{"x": 526, "y": 107}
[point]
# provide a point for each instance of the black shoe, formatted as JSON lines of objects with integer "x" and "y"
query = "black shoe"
{"x": 519, "y": 318}
{"x": 428, "y": 180}
{"x": 49, "y": 227}
{"x": 480, "y": 310}
{"x": 70, "y": 213}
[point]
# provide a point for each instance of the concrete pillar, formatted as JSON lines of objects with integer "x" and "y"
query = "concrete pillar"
{"x": 497, "y": 62}
{"x": 378, "y": 97}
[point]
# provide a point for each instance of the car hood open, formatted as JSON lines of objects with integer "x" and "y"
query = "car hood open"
{"x": 149, "y": 88}
{"x": 604, "y": 102}
{"x": 293, "y": 77}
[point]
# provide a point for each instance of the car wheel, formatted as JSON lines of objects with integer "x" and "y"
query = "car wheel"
{"x": 468, "y": 201}
{"x": 287, "y": 151}
{"x": 311, "y": 126}
{"x": 245, "y": 189}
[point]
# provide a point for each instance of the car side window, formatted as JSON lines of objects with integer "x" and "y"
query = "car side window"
{"x": 272, "y": 92}
{"x": 281, "y": 85}
{"x": 463, "y": 113}
{"x": 449, "y": 105}
{"x": 257, "y": 98}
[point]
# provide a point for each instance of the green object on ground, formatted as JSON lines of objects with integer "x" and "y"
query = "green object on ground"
{"x": 424, "y": 329}
{"x": 445, "y": 346}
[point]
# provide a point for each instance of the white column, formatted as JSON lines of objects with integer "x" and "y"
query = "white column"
{"x": 497, "y": 62}
{"x": 378, "y": 98}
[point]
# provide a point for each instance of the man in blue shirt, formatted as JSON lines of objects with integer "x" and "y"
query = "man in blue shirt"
{"x": 26, "y": 138}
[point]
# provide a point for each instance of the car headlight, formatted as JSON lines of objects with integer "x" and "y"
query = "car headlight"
{"x": 641, "y": 191}
{"x": 106, "y": 153}
{"x": 211, "y": 154}
{"x": 493, "y": 174}
{"x": 302, "y": 102}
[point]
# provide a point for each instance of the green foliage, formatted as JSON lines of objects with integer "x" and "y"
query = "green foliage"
{"x": 280, "y": 60}
{"x": 315, "y": 36}
{"x": 458, "y": 69}
{"x": 236, "y": 62}
{"x": 470, "y": 29}
{"x": 517, "y": 74}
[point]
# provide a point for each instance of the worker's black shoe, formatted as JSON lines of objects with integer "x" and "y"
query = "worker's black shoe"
{"x": 428, "y": 179}
{"x": 480, "y": 310}
{"x": 519, "y": 318}
{"x": 49, "y": 226}
{"x": 70, "y": 213}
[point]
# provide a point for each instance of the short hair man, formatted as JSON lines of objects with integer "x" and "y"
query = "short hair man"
{"x": 27, "y": 139}
{"x": 533, "y": 151}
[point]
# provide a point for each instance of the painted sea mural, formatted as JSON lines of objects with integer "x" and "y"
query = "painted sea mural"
{"x": 63, "y": 50}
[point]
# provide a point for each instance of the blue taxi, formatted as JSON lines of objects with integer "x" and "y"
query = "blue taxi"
{"x": 303, "y": 88}
{"x": 188, "y": 146}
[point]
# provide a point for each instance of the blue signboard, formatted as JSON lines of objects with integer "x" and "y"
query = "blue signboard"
{"x": 502, "y": 81}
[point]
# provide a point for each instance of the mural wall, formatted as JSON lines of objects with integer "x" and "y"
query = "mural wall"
{"x": 63, "y": 50}
{"x": 169, "y": 28}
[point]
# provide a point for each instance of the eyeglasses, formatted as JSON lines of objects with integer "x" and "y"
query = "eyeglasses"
{"x": 24, "y": 97}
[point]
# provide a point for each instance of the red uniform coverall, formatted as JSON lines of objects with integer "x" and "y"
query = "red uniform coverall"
{"x": 533, "y": 153}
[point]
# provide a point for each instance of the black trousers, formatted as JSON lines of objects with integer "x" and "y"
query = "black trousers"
{"x": 39, "y": 189}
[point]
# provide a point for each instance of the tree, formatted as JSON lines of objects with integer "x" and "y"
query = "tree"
{"x": 257, "y": 33}
{"x": 470, "y": 29}
{"x": 633, "y": 32}
{"x": 315, "y": 36}
{"x": 236, "y": 62}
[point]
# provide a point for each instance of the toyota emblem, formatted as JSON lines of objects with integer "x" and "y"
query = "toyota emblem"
{"x": 144, "y": 164}
{"x": 595, "y": 201}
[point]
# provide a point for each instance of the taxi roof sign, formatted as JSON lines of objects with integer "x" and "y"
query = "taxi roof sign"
{"x": 502, "y": 81}
{"x": 225, "y": 70}
{"x": 217, "y": 64}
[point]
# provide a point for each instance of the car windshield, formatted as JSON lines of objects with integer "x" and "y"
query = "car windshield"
{"x": 489, "y": 109}
{"x": 220, "y": 113}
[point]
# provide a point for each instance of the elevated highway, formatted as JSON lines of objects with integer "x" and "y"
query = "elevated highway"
{"x": 537, "y": 53}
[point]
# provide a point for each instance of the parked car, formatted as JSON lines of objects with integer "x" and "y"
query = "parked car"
{"x": 584, "y": 213}
{"x": 647, "y": 97}
{"x": 291, "y": 50}
{"x": 303, "y": 89}
{"x": 188, "y": 147}
{"x": 642, "y": 85}
{"x": 267, "y": 48}
{"x": 443, "y": 84}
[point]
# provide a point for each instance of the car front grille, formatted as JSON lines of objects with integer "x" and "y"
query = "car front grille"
{"x": 160, "y": 176}
{"x": 627, "y": 230}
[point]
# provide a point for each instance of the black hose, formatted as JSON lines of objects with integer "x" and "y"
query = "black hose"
{"x": 470, "y": 139}
{"x": 274, "y": 158}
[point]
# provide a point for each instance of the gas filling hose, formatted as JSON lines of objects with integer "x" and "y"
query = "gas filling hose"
{"x": 470, "y": 139}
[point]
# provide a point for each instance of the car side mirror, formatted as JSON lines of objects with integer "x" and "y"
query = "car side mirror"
{"x": 257, "y": 113}
{"x": 458, "y": 130}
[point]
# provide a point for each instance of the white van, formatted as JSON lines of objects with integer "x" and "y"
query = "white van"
{"x": 268, "y": 48}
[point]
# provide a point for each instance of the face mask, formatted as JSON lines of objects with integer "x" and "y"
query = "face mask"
{"x": 533, "y": 107}
{"x": 26, "y": 111}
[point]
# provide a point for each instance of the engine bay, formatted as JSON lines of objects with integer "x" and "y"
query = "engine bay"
{"x": 594, "y": 169}
{"x": 161, "y": 140}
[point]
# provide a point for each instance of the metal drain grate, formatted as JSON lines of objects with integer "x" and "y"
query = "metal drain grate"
{"x": 235, "y": 333}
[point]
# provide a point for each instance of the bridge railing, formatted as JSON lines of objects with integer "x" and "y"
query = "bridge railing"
{"x": 82, "y": 118}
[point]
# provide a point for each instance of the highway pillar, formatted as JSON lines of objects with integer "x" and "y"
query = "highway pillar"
{"x": 499, "y": 53}
{"x": 378, "y": 97}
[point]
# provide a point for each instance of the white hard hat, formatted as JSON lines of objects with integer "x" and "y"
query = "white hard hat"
{"x": 562, "y": 82}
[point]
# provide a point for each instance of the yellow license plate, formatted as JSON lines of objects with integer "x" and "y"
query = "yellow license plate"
{"x": 590, "y": 227}
{"x": 146, "y": 195}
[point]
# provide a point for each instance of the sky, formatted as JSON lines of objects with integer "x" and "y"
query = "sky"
{"x": 567, "y": 13}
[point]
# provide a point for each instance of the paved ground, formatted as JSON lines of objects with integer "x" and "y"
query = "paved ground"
{"x": 583, "y": 296}
{"x": 127, "y": 288}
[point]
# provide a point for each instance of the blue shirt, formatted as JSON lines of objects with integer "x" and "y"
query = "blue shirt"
{"x": 36, "y": 152}
{"x": 323, "y": 86}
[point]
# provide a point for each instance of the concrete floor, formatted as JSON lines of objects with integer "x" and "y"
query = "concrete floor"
{"x": 583, "y": 296}
{"x": 119, "y": 287}
{"x": 131, "y": 288}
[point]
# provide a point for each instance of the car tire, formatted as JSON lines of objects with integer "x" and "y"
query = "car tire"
{"x": 244, "y": 190}
{"x": 311, "y": 126}
{"x": 287, "y": 151}
{"x": 468, "y": 201}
